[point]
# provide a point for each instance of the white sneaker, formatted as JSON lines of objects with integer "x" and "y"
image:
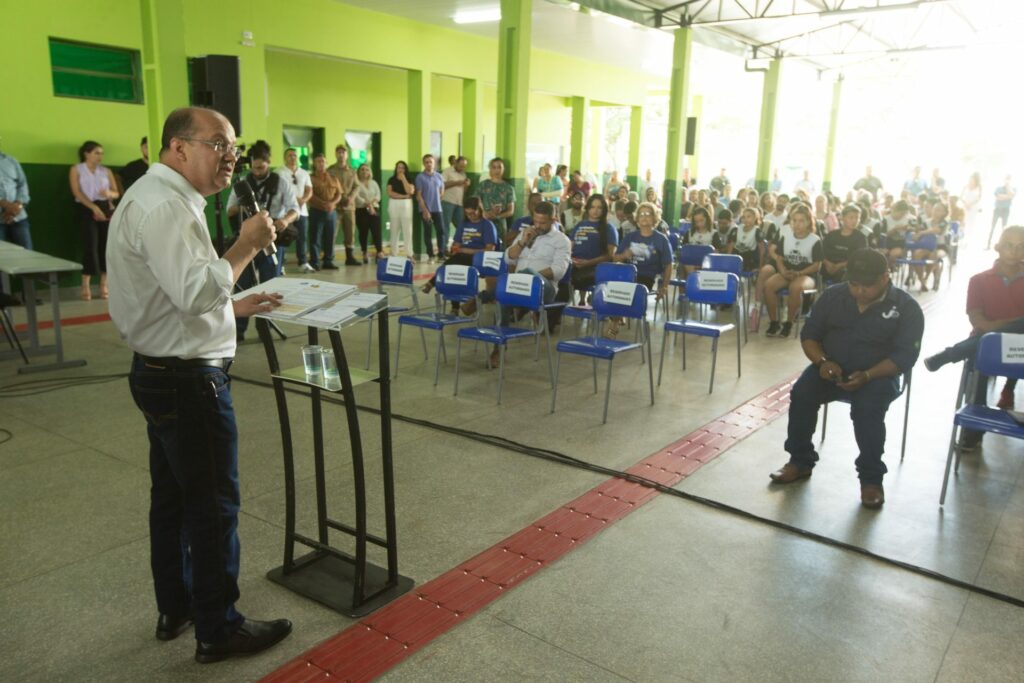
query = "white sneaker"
{"x": 306, "y": 268}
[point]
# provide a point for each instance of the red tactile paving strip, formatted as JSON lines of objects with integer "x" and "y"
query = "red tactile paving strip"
{"x": 67, "y": 322}
{"x": 377, "y": 643}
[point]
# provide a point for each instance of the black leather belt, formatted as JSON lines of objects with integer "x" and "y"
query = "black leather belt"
{"x": 172, "y": 363}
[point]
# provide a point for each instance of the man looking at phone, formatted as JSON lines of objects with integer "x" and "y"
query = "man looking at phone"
{"x": 860, "y": 337}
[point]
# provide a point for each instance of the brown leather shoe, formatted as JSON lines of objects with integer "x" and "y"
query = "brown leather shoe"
{"x": 872, "y": 496}
{"x": 789, "y": 473}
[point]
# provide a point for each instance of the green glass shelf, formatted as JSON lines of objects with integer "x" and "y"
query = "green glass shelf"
{"x": 298, "y": 376}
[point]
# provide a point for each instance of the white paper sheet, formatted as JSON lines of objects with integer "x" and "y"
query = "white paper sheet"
{"x": 712, "y": 281}
{"x": 620, "y": 293}
{"x": 395, "y": 266}
{"x": 456, "y": 275}
{"x": 1013, "y": 348}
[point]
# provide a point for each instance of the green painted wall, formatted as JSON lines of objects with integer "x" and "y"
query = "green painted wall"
{"x": 311, "y": 62}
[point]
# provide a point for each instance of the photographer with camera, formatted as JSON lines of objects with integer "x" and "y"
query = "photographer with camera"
{"x": 861, "y": 336}
{"x": 275, "y": 196}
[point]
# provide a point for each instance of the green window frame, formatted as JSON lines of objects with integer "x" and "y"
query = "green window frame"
{"x": 95, "y": 72}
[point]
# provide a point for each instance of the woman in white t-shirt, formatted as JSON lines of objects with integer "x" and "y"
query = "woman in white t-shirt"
{"x": 970, "y": 197}
{"x": 798, "y": 257}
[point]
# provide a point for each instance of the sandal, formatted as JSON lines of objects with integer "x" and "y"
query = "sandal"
{"x": 611, "y": 329}
{"x": 104, "y": 293}
{"x": 427, "y": 288}
{"x": 86, "y": 294}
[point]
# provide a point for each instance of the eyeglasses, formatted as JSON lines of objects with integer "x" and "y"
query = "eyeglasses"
{"x": 219, "y": 146}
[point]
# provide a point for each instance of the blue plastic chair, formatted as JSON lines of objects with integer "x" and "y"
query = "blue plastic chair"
{"x": 729, "y": 263}
{"x": 403, "y": 281}
{"x": 604, "y": 272}
{"x": 501, "y": 267}
{"x": 689, "y": 255}
{"x": 699, "y": 290}
{"x": 980, "y": 418}
{"x": 953, "y": 245}
{"x": 502, "y": 335}
{"x": 903, "y": 265}
{"x": 598, "y": 348}
{"x": 904, "y": 390}
{"x": 465, "y": 287}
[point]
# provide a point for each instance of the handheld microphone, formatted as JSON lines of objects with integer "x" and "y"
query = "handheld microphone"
{"x": 247, "y": 200}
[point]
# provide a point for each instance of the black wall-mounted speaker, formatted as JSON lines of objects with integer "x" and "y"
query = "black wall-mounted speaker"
{"x": 215, "y": 85}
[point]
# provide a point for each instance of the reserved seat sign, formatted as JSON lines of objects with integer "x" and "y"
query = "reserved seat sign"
{"x": 519, "y": 283}
{"x": 1013, "y": 348}
{"x": 620, "y": 293}
{"x": 395, "y": 266}
{"x": 713, "y": 281}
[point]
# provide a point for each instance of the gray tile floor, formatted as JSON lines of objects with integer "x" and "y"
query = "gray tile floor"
{"x": 676, "y": 591}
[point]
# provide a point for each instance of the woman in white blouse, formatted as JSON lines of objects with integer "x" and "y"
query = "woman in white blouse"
{"x": 367, "y": 196}
{"x": 970, "y": 197}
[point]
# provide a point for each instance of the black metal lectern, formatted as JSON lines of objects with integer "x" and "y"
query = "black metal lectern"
{"x": 345, "y": 582}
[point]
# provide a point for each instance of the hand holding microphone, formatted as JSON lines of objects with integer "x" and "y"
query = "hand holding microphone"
{"x": 261, "y": 232}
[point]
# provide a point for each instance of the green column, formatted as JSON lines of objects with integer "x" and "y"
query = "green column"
{"x": 677, "y": 100}
{"x": 514, "y": 89}
{"x": 769, "y": 100}
{"x": 472, "y": 114}
{"x": 578, "y": 136}
{"x": 636, "y": 122}
{"x": 696, "y": 111}
{"x": 830, "y": 146}
{"x": 596, "y": 138}
{"x": 164, "y": 65}
{"x": 419, "y": 139}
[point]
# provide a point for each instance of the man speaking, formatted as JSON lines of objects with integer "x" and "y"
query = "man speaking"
{"x": 861, "y": 335}
{"x": 170, "y": 297}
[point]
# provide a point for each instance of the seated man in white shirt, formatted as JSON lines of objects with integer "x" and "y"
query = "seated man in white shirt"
{"x": 539, "y": 250}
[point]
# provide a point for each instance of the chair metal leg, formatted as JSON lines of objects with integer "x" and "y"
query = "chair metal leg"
{"x": 398, "y": 348}
{"x": 554, "y": 385}
{"x": 650, "y": 362}
{"x": 437, "y": 355}
{"x": 12, "y": 334}
{"x": 949, "y": 459}
{"x": 608, "y": 390}
{"x": 683, "y": 335}
{"x": 501, "y": 370}
{"x": 739, "y": 346}
{"x": 458, "y": 357}
{"x": 594, "y": 363}
{"x": 906, "y": 418}
{"x": 714, "y": 361}
{"x": 824, "y": 423}
{"x": 547, "y": 341}
{"x": 661, "y": 363}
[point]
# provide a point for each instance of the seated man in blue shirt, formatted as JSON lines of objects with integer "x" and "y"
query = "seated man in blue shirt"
{"x": 860, "y": 336}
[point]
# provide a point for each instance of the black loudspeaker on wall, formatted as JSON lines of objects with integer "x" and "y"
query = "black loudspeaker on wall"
{"x": 691, "y": 135}
{"x": 215, "y": 84}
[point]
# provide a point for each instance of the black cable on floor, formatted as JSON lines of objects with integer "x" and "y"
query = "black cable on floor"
{"x": 33, "y": 387}
{"x": 562, "y": 458}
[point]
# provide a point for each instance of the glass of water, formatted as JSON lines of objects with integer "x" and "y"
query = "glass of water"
{"x": 311, "y": 359}
{"x": 330, "y": 365}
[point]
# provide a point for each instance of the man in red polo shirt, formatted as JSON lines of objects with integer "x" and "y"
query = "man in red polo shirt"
{"x": 995, "y": 302}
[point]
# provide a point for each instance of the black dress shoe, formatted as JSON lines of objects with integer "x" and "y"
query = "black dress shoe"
{"x": 250, "y": 638}
{"x": 169, "y": 628}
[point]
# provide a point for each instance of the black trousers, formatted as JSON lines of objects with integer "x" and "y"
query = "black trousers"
{"x": 369, "y": 224}
{"x": 94, "y": 242}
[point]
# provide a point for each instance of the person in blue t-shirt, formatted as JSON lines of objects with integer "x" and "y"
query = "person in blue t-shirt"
{"x": 651, "y": 253}
{"x": 475, "y": 234}
{"x": 1004, "y": 195}
{"x": 593, "y": 242}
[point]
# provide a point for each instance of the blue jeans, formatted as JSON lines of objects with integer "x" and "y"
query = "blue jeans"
{"x": 302, "y": 225}
{"x": 16, "y": 232}
{"x": 323, "y": 228}
{"x": 437, "y": 226}
{"x": 267, "y": 270}
{"x": 868, "y": 406}
{"x": 451, "y": 214}
{"x": 194, "y": 498}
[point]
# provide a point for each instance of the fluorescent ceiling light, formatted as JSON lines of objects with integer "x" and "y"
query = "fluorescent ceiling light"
{"x": 477, "y": 16}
